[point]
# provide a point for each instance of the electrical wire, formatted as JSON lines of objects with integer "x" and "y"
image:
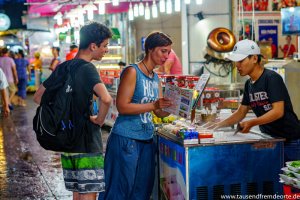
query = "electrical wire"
{"x": 224, "y": 70}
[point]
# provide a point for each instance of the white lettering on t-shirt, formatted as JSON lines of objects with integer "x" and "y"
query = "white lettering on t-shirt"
{"x": 149, "y": 96}
{"x": 258, "y": 96}
{"x": 260, "y": 99}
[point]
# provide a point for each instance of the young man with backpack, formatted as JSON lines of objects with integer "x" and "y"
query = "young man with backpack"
{"x": 83, "y": 163}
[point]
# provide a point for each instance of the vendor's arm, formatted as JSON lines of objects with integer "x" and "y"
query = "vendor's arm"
{"x": 236, "y": 117}
{"x": 275, "y": 113}
{"x": 125, "y": 94}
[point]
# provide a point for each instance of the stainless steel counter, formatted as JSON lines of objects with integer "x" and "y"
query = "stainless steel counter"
{"x": 226, "y": 136}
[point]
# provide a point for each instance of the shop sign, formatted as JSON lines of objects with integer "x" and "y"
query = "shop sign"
{"x": 4, "y": 22}
{"x": 268, "y": 21}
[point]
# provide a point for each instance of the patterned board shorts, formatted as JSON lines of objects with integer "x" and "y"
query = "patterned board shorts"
{"x": 83, "y": 172}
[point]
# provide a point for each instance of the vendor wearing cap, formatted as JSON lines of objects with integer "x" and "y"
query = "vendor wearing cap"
{"x": 266, "y": 94}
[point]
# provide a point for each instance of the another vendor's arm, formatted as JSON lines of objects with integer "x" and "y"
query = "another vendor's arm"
{"x": 275, "y": 113}
{"x": 125, "y": 94}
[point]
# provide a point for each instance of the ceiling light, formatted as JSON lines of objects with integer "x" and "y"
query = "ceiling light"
{"x": 187, "y": 1}
{"x": 90, "y": 7}
{"x": 141, "y": 9}
{"x": 130, "y": 12}
{"x": 58, "y": 18}
{"x": 169, "y": 6}
{"x": 101, "y": 8}
{"x": 162, "y": 6}
{"x": 147, "y": 12}
{"x": 115, "y": 2}
{"x": 136, "y": 10}
{"x": 177, "y": 5}
{"x": 199, "y": 2}
{"x": 154, "y": 10}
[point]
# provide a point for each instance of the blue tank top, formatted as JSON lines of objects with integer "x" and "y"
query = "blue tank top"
{"x": 139, "y": 126}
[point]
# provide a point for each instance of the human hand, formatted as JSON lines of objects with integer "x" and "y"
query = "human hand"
{"x": 6, "y": 111}
{"x": 162, "y": 103}
{"x": 246, "y": 126}
{"x": 96, "y": 120}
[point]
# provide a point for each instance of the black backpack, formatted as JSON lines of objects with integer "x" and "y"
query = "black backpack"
{"x": 55, "y": 122}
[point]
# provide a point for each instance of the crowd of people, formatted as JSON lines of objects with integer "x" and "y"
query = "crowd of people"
{"x": 16, "y": 72}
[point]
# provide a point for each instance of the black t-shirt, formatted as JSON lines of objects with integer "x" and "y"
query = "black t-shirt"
{"x": 85, "y": 78}
{"x": 260, "y": 95}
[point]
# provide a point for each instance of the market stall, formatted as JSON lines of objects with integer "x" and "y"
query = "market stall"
{"x": 225, "y": 164}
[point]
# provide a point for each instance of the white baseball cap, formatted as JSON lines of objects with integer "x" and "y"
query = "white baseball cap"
{"x": 242, "y": 49}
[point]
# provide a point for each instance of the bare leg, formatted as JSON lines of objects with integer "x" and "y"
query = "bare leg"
{"x": 75, "y": 196}
{"x": 88, "y": 196}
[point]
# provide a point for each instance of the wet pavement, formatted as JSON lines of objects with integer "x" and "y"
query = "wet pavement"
{"x": 27, "y": 171}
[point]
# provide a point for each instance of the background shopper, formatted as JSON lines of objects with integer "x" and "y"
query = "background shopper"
{"x": 129, "y": 160}
{"x": 8, "y": 66}
{"x": 288, "y": 49}
{"x": 4, "y": 95}
{"x": 23, "y": 70}
{"x": 55, "y": 60}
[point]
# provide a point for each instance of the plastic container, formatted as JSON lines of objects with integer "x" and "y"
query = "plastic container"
{"x": 180, "y": 80}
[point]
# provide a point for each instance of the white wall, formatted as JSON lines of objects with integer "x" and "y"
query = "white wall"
{"x": 216, "y": 14}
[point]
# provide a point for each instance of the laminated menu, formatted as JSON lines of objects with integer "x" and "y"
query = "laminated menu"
{"x": 181, "y": 100}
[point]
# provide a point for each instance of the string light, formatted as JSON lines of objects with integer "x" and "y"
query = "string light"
{"x": 141, "y": 9}
{"x": 115, "y": 2}
{"x": 101, "y": 8}
{"x": 162, "y": 6}
{"x": 136, "y": 10}
{"x": 147, "y": 12}
{"x": 154, "y": 10}
{"x": 58, "y": 18}
{"x": 130, "y": 12}
{"x": 199, "y": 2}
{"x": 90, "y": 7}
{"x": 169, "y": 6}
{"x": 187, "y": 1}
{"x": 177, "y": 5}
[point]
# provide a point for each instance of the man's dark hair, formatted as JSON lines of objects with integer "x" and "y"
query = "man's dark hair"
{"x": 73, "y": 46}
{"x": 21, "y": 52}
{"x": 93, "y": 32}
{"x": 157, "y": 39}
{"x": 259, "y": 58}
{"x": 57, "y": 49}
{"x": 121, "y": 63}
{"x": 5, "y": 50}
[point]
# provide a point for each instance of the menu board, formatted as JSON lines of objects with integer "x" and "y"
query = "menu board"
{"x": 200, "y": 87}
{"x": 181, "y": 100}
